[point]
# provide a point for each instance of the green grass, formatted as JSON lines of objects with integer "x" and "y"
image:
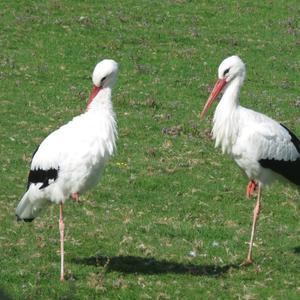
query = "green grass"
{"x": 163, "y": 195}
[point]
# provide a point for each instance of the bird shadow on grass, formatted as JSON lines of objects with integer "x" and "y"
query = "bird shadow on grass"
{"x": 151, "y": 266}
{"x": 4, "y": 295}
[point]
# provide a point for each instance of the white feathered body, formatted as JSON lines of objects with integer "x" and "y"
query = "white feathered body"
{"x": 78, "y": 150}
{"x": 248, "y": 137}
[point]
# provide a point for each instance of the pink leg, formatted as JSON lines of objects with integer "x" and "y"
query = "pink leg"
{"x": 61, "y": 229}
{"x": 75, "y": 197}
{"x": 251, "y": 187}
{"x": 256, "y": 212}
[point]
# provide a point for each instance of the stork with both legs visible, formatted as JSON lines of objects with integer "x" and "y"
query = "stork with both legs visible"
{"x": 264, "y": 149}
{"x": 71, "y": 159}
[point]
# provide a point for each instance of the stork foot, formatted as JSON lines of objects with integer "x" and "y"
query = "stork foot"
{"x": 75, "y": 197}
{"x": 247, "y": 262}
{"x": 251, "y": 187}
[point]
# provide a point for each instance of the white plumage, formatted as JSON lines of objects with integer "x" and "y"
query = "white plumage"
{"x": 77, "y": 150}
{"x": 248, "y": 137}
{"x": 263, "y": 148}
{"x": 71, "y": 159}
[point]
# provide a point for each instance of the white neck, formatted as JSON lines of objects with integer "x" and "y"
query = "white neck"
{"x": 225, "y": 122}
{"x": 101, "y": 117}
{"x": 102, "y": 101}
{"x": 231, "y": 97}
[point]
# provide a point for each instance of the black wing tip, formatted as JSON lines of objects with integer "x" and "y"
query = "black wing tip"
{"x": 287, "y": 169}
{"x": 25, "y": 220}
{"x": 294, "y": 138}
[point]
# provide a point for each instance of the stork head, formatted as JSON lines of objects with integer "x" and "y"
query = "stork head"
{"x": 230, "y": 68}
{"x": 105, "y": 73}
{"x": 104, "y": 76}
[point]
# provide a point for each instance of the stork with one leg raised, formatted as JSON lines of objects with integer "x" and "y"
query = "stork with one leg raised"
{"x": 71, "y": 159}
{"x": 265, "y": 149}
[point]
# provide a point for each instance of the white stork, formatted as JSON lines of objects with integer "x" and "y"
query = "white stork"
{"x": 263, "y": 148}
{"x": 71, "y": 159}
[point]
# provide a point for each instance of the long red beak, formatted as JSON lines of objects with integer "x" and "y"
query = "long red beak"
{"x": 213, "y": 95}
{"x": 93, "y": 94}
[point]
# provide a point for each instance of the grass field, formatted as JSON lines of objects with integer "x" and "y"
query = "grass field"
{"x": 167, "y": 191}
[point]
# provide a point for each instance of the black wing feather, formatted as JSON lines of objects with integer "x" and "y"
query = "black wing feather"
{"x": 42, "y": 176}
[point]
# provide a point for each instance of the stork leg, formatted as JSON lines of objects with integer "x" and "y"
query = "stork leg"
{"x": 256, "y": 212}
{"x": 251, "y": 187}
{"x": 61, "y": 230}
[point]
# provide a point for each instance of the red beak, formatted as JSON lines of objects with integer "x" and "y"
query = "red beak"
{"x": 93, "y": 94}
{"x": 213, "y": 95}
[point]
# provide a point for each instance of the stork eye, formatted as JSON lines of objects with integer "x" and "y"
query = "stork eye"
{"x": 226, "y": 71}
{"x": 103, "y": 79}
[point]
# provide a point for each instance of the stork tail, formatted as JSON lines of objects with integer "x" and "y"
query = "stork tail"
{"x": 28, "y": 208}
